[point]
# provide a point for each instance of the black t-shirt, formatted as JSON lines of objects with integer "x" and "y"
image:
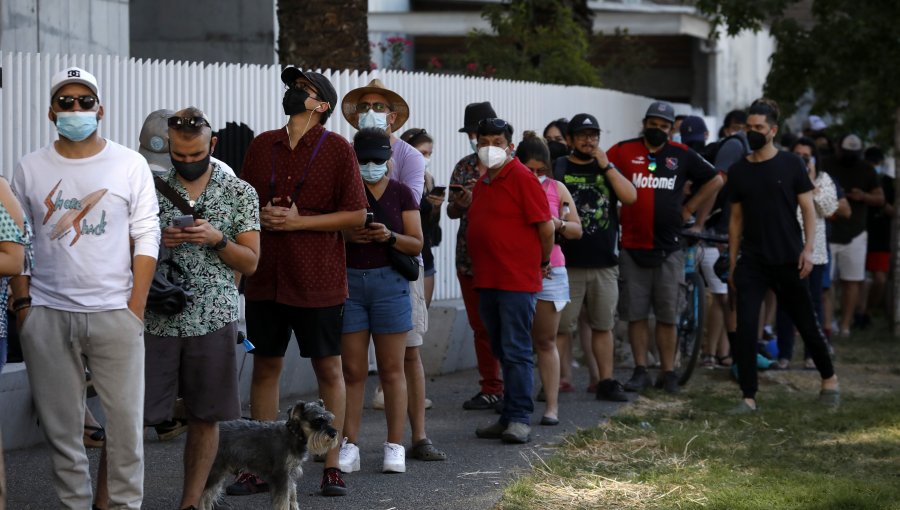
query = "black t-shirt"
{"x": 857, "y": 174}
{"x": 879, "y": 226}
{"x": 595, "y": 201}
{"x": 767, "y": 192}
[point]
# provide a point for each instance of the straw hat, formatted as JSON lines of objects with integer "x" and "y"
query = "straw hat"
{"x": 397, "y": 104}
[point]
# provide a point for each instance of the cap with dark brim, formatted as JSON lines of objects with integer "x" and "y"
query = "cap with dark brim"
{"x": 319, "y": 82}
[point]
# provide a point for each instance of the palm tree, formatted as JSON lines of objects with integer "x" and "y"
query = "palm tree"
{"x": 324, "y": 34}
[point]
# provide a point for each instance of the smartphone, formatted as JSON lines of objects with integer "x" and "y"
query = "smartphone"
{"x": 438, "y": 190}
{"x": 183, "y": 221}
{"x": 457, "y": 188}
{"x": 370, "y": 217}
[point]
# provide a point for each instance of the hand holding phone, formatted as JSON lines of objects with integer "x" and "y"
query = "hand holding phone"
{"x": 457, "y": 188}
{"x": 370, "y": 217}
{"x": 438, "y": 190}
{"x": 183, "y": 221}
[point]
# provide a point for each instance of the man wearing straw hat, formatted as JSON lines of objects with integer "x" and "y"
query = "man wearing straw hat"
{"x": 376, "y": 106}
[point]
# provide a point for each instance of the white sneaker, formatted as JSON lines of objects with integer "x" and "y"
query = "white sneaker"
{"x": 378, "y": 399}
{"x": 428, "y": 403}
{"x": 348, "y": 460}
{"x": 394, "y": 458}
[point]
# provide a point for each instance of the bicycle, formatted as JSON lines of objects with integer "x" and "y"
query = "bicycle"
{"x": 692, "y": 303}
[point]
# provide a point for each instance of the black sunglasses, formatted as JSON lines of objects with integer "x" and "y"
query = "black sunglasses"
{"x": 377, "y": 161}
{"x": 68, "y": 102}
{"x": 187, "y": 122}
{"x": 497, "y": 123}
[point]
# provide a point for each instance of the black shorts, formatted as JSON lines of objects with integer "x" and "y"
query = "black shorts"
{"x": 318, "y": 330}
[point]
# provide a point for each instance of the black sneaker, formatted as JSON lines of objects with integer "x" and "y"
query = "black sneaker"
{"x": 247, "y": 484}
{"x": 170, "y": 429}
{"x": 669, "y": 382}
{"x": 481, "y": 401}
{"x": 611, "y": 390}
{"x": 332, "y": 483}
{"x": 639, "y": 381}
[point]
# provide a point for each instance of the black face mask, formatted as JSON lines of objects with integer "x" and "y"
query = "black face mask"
{"x": 294, "y": 101}
{"x": 849, "y": 157}
{"x": 655, "y": 136}
{"x": 581, "y": 156}
{"x": 557, "y": 150}
{"x": 191, "y": 171}
{"x": 756, "y": 140}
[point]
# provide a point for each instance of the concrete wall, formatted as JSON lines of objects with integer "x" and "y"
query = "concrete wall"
{"x": 741, "y": 65}
{"x": 233, "y": 31}
{"x": 64, "y": 26}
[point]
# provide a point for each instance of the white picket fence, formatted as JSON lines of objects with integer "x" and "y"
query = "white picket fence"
{"x": 251, "y": 94}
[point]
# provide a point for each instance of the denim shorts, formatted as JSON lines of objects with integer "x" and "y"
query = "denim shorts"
{"x": 556, "y": 288}
{"x": 379, "y": 301}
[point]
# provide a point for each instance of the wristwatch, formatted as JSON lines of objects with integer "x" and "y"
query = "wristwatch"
{"x": 608, "y": 166}
{"x": 221, "y": 244}
{"x": 392, "y": 240}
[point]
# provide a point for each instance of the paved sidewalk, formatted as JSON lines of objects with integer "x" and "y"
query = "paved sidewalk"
{"x": 472, "y": 478}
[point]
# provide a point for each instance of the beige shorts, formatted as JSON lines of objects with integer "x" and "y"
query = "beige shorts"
{"x": 646, "y": 288}
{"x": 598, "y": 290}
{"x": 848, "y": 261}
{"x": 414, "y": 338}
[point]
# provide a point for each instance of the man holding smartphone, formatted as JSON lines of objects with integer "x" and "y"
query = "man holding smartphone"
{"x": 193, "y": 351}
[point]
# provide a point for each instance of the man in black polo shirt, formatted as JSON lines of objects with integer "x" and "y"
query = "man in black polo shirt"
{"x": 766, "y": 188}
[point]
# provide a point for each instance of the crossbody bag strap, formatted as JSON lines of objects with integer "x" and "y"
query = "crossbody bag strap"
{"x": 177, "y": 200}
{"x": 376, "y": 208}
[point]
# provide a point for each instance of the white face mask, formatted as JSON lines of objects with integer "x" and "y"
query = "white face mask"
{"x": 427, "y": 162}
{"x": 372, "y": 119}
{"x": 492, "y": 157}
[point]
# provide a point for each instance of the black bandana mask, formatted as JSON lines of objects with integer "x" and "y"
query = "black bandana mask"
{"x": 655, "y": 136}
{"x": 191, "y": 171}
{"x": 294, "y": 101}
{"x": 557, "y": 150}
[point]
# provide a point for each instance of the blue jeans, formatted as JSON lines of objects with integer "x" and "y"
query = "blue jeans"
{"x": 507, "y": 316}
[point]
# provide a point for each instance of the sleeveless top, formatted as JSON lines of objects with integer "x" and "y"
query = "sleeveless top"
{"x": 10, "y": 231}
{"x": 552, "y": 191}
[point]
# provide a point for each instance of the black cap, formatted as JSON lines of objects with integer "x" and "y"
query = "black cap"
{"x": 475, "y": 113}
{"x": 319, "y": 82}
{"x": 662, "y": 110}
{"x": 372, "y": 143}
{"x": 581, "y": 122}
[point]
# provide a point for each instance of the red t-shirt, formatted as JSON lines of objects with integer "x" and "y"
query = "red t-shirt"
{"x": 303, "y": 268}
{"x": 654, "y": 220}
{"x": 502, "y": 236}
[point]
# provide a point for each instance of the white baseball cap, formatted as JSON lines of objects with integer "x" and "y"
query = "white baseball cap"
{"x": 73, "y": 75}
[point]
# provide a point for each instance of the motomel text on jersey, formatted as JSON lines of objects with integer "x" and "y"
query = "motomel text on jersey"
{"x": 652, "y": 181}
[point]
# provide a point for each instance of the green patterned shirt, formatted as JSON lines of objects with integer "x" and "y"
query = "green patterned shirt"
{"x": 231, "y": 206}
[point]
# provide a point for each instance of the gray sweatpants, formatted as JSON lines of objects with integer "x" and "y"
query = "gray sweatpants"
{"x": 57, "y": 345}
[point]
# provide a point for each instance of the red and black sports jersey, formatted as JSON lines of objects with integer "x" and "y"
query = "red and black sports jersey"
{"x": 654, "y": 220}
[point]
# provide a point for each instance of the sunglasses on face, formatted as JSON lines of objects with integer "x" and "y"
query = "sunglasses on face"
{"x": 377, "y": 107}
{"x": 372, "y": 160}
{"x": 68, "y": 102}
{"x": 652, "y": 165}
{"x": 187, "y": 122}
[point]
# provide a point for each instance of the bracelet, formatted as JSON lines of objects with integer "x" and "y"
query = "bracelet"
{"x": 21, "y": 303}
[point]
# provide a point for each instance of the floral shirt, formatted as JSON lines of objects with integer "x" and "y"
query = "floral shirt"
{"x": 232, "y": 206}
{"x": 466, "y": 170}
{"x": 10, "y": 232}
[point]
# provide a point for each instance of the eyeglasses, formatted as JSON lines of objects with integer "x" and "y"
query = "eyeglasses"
{"x": 377, "y": 161}
{"x": 497, "y": 123}
{"x": 652, "y": 165}
{"x": 587, "y": 136}
{"x": 187, "y": 122}
{"x": 365, "y": 107}
{"x": 68, "y": 102}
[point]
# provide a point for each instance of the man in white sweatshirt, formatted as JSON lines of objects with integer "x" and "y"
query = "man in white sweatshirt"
{"x": 94, "y": 210}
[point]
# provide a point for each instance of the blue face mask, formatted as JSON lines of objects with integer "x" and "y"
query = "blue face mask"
{"x": 878, "y": 169}
{"x": 76, "y": 126}
{"x": 372, "y": 119}
{"x": 474, "y": 143}
{"x": 373, "y": 172}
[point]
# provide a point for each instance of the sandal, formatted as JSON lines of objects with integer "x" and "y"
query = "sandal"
{"x": 425, "y": 450}
{"x": 725, "y": 361}
{"x": 95, "y": 439}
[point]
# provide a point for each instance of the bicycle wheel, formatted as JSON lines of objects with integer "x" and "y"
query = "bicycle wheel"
{"x": 690, "y": 325}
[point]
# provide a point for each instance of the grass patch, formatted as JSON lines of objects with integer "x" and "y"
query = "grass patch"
{"x": 684, "y": 452}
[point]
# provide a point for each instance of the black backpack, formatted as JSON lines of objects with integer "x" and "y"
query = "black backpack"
{"x": 710, "y": 152}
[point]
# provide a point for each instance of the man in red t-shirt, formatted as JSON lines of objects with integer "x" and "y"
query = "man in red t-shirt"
{"x": 310, "y": 189}
{"x": 510, "y": 237}
{"x": 652, "y": 263}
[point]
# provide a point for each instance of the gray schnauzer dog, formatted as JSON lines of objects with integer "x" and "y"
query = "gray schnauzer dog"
{"x": 272, "y": 450}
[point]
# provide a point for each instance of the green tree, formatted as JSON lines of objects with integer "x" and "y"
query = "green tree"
{"x": 324, "y": 34}
{"x": 534, "y": 40}
{"x": 846, "y": 58}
